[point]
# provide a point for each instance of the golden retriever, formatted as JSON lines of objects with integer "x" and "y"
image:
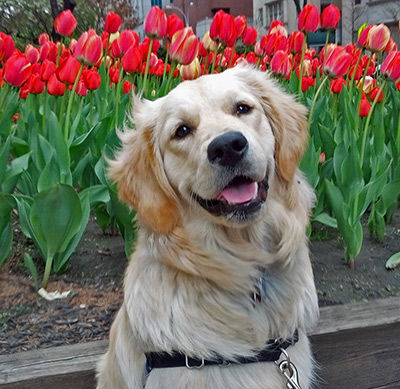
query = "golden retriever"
{"x": 221, "y": 264}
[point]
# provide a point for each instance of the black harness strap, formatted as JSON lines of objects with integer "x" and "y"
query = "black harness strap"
{"x": 271, "y": 353}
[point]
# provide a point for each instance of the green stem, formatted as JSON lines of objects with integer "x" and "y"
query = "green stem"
{"x": 118, "y": 93}
{"x": 303, "y": 51}
{"x": 166, "y": 61}
{"x": 326, "y": 43}
{"x": 365, "y": 133}
{"x": 44, "y": 110}
{"x": 59, "y": 51}
{"x": 62, "y": 108}
{"x": 214, "y": 59}
{"x": 232, "y": 54}
{"x": 171, "y": 74}
{"x": 315, "y": 99}
{"x": 71, "y": 99}
{"x": 354, "y": 73}
{"x": 6, "y": 90}
{"x": 147, "y": 65}
{"x": 47, "y": 271}
{"x": 91, "y": 109}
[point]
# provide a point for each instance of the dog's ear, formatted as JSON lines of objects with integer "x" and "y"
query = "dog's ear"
{"x": 290, "y": 128}
{"x": 287, "y": 118}
{"x": 140, "y": 177}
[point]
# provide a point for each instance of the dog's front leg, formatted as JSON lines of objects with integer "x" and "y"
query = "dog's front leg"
{"x": 122, "y": 367}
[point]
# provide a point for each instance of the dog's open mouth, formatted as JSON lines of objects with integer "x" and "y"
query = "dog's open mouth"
{"x": 240, "y": 198}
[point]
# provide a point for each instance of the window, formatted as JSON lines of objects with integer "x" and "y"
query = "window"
{"x": 273, "y": 11}
{"x": 260, "y": 18}
{"x": 156, "y": 2}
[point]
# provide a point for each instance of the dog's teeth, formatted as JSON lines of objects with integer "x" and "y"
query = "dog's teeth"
{"x": 255, "y": 191}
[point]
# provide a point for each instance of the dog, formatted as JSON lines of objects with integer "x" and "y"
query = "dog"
{"x": 220, "y": 278}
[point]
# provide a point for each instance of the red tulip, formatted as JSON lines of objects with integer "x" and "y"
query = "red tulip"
{"x": 336, "y": 85}
{"x": 114, "y": 73}
{"x": 81, "y": 89}
{"x": 174, "y": 24}
{"x": 322, "y": 157}
{"x": 48, "y": 51}
{"x": 15, "y": 118}
{"x": 280, "y": 64}
{"x": 7, "y": 46}
{"x": 275, "y": 42}
{"x": 47, "y": 69}
{"x": 17, "y": 69}
{"x": 24, "y": 91}
{"x": 279, "y": 27}
{"x": 363, "y": 38}
{"x": 330, "y": 17}
{"x": 391, "y": 46}
{"x": 365, "y": 107}
{"x": 240, "y": 25}
{"x": 132, "y": 60}
{"x": 191, "y": 71}
{"x": 35, "y": 84}
{"x": 184, "y": 46}
{"x": 32, "y": 53}
{"x": 89, "y": 48}
{"x": 337, "y": 62}
{"x": 223, "y": 28}
{"x": 91, "y": 78}
{"x": 306, "y": 82}
{"x": 295, "y": 42}
{"x": 250, "y": 36}
{"x": 68, "y": 70}
{"x": 308, "y": 19}
{"x": 43, "y": 38}
{"x": 127, "y": 87}
{"x": 390, "y": 69}
{"x": 112, "y": 23}
{"x": 55, "y": 87}
{"x": 378, "y": 38}
{"x": 356, "y": 73}
{"x": 65, "y": 23}
{"x": 398, "y": 85}
{"x": 374, "y": 92}
{"x": 155, "y": 23}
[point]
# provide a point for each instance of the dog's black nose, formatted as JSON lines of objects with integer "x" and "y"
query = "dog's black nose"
{"x": 227, "y": 149}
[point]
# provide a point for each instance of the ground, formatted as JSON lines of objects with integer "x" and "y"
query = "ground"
{"x": 95, "y": 275}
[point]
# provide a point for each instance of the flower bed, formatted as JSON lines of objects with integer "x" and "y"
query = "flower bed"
{"x": 59, "y": 107}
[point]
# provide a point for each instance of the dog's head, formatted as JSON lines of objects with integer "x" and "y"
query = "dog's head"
{"x": 212, "y": 146}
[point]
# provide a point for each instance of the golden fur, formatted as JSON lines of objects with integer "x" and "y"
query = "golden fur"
{"x": 189, "y": 282}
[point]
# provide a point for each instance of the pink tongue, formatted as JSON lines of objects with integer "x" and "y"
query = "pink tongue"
{"x": 239, "y": 194}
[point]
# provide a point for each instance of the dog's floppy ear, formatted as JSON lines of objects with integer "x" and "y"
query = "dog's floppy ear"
{"x": 287, "y": 118}
{"x": 137, "y": 170}
{"x": 289, "y": 124}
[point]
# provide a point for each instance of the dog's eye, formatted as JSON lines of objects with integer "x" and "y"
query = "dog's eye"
{"x": 242, "y": 108}
{"x": 182, "y": 131}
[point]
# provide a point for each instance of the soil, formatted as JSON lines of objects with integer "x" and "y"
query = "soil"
{"x": 95, "y": 276}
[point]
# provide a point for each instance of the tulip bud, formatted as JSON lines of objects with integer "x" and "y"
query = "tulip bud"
{"x": 132, "y": 60}
{"x": 295, "y": 42}
{"x": 7, "y": 46}
{"x": 250, "y": 36}
{"x": 365, "y": 107}
{"x": 112, "y": 23}
{"x": 92, "y": 79}
{"x": 43, "y": 38}
{"x": 308, "y": 19}
{"x": 17, "y": 69}
{"x": 330, "y": 17}
{"x": 363, "y": 38}
{"x": 191, "y": 71}
{"x": 155, "y": 23}
{"x": 65, "y": 23}
{"x": 68, "y": 70}
{"x": 55, "y": 87}
{"x": 240, "y": 25}
{"x": 378, "y": 38}
{"x": 174, "y": 24}
{"x": 374, "y": 92}
{"x": 47, "y": 70}
{"x": 390, "y": 69}
{"x": 280, "y": 64}
{"x": 278, "y": 27}
{"x": 32, "y": 53}
{"x": 336, "y": 85}
{"x": 35, "y": 84}
{"x": 184, "y": 46}
{"x": 223, "y": 28}
{"x": 322, "y": 158}
{"x": 89, "y": 49}
{"x": 337, "y": 62}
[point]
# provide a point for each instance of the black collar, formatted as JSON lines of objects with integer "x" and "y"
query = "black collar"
{"x": 271, "y": 353}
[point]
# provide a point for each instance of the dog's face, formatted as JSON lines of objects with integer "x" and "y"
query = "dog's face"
{"x": 212, "y": 147}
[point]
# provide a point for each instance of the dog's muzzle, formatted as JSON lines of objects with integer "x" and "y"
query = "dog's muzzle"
{"x": 242, "y": 197}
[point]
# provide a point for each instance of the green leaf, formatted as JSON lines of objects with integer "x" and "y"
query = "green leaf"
{"x": 6, "y": 238}
{"x": 61, "y": 258}
{"x": 97, "y": 194}
{"x": 82, "y": 143}
{"x": 4, "y": 155}
{"x": 326, "y": 219}
{"x": 50, "y": 176}
{"x": 30, "y": 265}
{"x": 393, "y": 261}
{"x": 56, "y": 216}
{"x": 15, "y": 169}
